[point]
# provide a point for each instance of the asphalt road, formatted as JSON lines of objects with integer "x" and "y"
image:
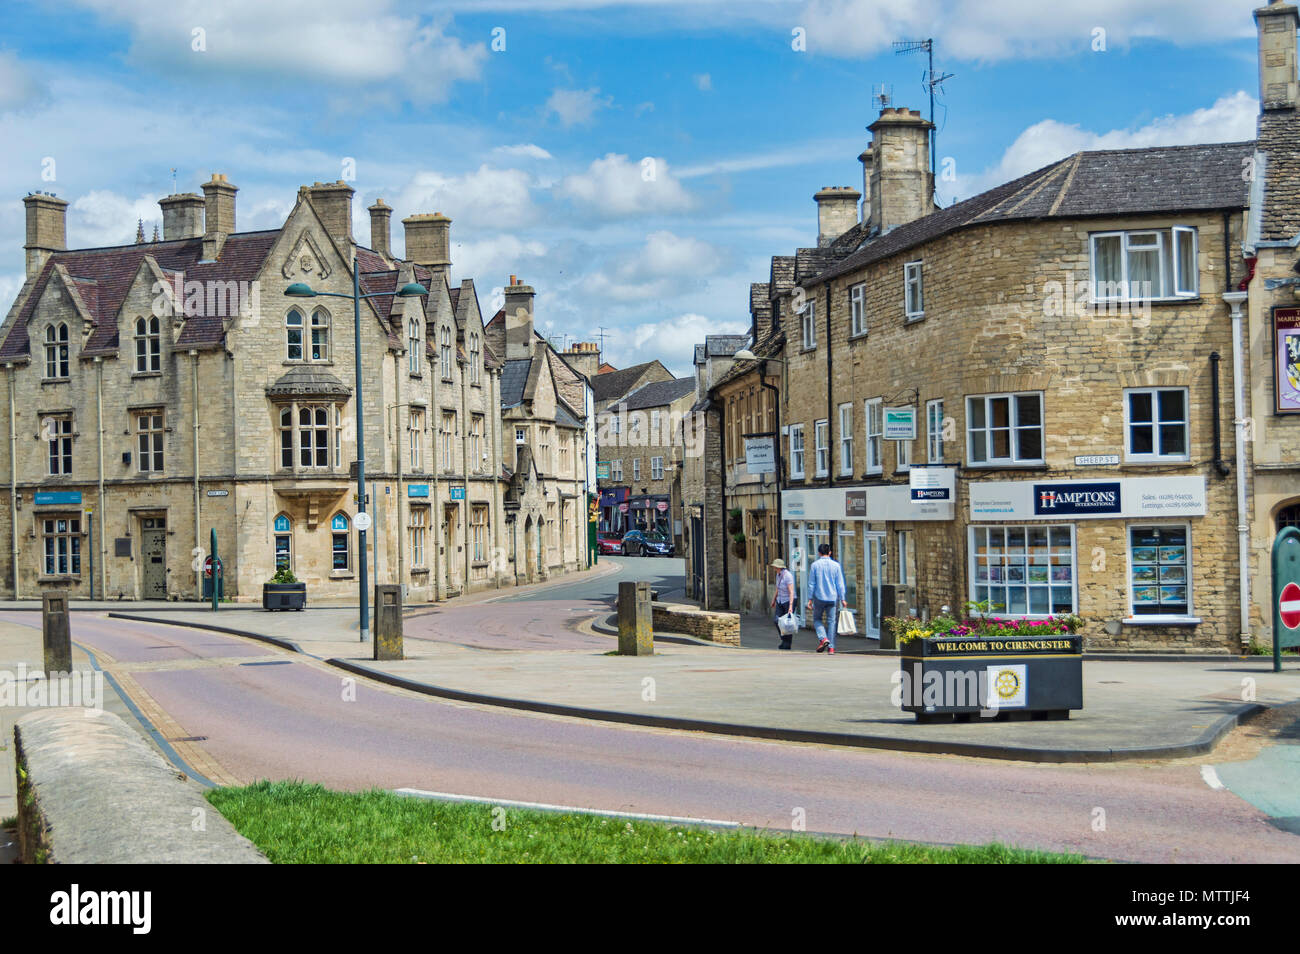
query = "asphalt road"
{"x": 665, "y": 574}
{"x": 257, "y": 713}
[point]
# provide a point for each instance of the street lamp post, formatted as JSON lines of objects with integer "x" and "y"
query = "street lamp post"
{"x": 410, "y": 290}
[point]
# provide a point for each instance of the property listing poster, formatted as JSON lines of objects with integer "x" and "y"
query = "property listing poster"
{"x": 1286, "y": 329}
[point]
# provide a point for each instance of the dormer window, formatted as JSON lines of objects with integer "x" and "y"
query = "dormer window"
{"x": 56, "y": 351}
{"x": 148, "y": 346}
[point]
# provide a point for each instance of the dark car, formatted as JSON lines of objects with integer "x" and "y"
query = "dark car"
{"x": 652, "y": 543}
{"x": 609, "y": 543}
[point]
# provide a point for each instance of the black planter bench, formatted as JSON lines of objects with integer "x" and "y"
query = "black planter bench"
{"x": 284, "y": 596}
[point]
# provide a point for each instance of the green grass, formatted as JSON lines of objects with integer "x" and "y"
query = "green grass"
{"x": 298, "y": 823}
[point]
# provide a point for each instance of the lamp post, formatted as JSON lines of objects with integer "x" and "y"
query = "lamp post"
{"x": 410, "y": 290}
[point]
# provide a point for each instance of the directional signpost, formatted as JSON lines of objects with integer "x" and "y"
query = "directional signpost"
{"x": 1286, "y": 593}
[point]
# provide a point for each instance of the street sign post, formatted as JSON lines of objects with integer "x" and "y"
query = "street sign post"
{"x": 1286, "y": 593}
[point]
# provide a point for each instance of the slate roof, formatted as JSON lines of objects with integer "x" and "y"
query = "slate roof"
{"x": 564, "y": 418}
{"x": 1088, "y": 184}
{"x": 782, "y": 276}
{"x": 1279, "y": 141}
{"x": 102, "y": 277}
{"x": 810, "y": 262}
{"x": 514, "y": 378}
{"x": 614, "y": 384}
{"x": 659, "y": 393}
{"x": 723, "y": 346}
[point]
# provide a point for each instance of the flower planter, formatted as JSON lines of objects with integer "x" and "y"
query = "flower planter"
{"x": 966, "y": 678}
{"x": 284, "y": 596}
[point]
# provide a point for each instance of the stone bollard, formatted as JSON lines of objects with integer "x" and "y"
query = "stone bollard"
{"x": 388, "y": 621}
{"x": 56, "y": 632}
{"x": 635, "y": 625}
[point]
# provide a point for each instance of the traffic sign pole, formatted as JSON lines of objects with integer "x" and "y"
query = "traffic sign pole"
{"x": 1286, "y": 589}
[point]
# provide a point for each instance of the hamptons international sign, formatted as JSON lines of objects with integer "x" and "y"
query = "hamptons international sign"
{"x": 1087, "y": 499}
{"x": 932, "y": 483}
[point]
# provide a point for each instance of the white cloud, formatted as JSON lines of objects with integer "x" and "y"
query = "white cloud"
{"x": 526, "y": 150}
{"x": 576, "y": 107}
{"x": 487, "y": 197}
{"x": 614, "y": 186}
{"x": 102, "y": 217}
{"x": 486, "y": 259}
{"x": 1230, "y": 119}
{"x": 704, "y": 82}
{"x": 332, "y": 40}
{"x": 672, "y": 340}
{"x": 666, "y": 266}
{"x": 19, "y": 86}
{"x": 792, "y": 156}
{"x": 983, "y": 31}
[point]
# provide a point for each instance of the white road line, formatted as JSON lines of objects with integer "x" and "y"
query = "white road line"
{"x": 541, "y": 807}
{"x": 1211, "y": 777}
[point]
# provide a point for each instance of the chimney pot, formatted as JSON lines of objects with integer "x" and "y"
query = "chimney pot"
{"x": 1278, "y": 86}
{"x": 182, "y": 216}
{"x": 380, "y": 231}
{"x": 218, "y": 214}
{"x": 47, "y": 229}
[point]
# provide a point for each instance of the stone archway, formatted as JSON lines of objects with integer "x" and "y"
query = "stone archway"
{"x": 1287, "y": 515}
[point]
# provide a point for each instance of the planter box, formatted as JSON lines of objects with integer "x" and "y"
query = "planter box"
{"x": 949, "y": 679}
{"x": 283, "y": 596}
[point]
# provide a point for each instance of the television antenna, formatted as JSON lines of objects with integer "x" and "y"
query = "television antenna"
{"x": 882, "y": 95}
{"x": 930, "y": 82}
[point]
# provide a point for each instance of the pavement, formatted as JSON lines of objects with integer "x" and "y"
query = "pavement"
{"x": 547, "y": 655}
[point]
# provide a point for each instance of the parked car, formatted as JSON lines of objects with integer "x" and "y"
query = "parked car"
{"x": 643, "y": 543}
{"x": 609, "y": 543}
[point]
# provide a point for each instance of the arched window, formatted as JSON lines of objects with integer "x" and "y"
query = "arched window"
{"x": 1288, "y": 517}
{"x": 340, "y": 542}
{"x": 320, "y": 335}
{"x": 474, "y": 362}
{"x": 148, "y": 345}
{"x": 56, "y": 351}
{"x": 283, "y": 542}
{"x": 286, "y": 437}
{"x": 293, "y": 334}
{"x": 414, "y": 345}
{"x": 444, "y": 352}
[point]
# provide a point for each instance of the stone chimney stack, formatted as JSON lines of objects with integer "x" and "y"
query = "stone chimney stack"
{"x": 428, "y": 242}
{"x": 182, "y": 216}
{"x": 47, "y": 229}
{"x": 519, "y": 320}
{"x": 584, "y": 357}
{"x": 1277, "y": 24}
{"x": 380, "y": 217}
{"x": 867, "y": 161}
{"x": 218, "y": 214}
{"x": 837, "y": 212}
{"x": 333, "y": 203}
{"x": 902, "y": 185}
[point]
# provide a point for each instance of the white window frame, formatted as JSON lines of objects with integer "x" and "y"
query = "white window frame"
{"x": 903, "y": 451}
{"x": 418, "y": 518}
{"x": 846, "y": 440}
{"x": 616, "y": 469}
{"x": 447, "y": 431}
{"x": 934, "y": 431}
{"x": 1155, "y": 619}
{"x": 415, "y": 438}
{"x": 913, "y": 288}
{"x": 796, "y": 451}
{"x": 347, "y": 551}
{"x": 822, "y": 447}
{"x": 858, "y": 310}
{"x": 1015, "y": 460}
{"x": 444, "y": 352}
{"x": 656, "y": 468}
{"x": 972, "y": 565}
{"x": 1176, "y": 283}
{"x": 414, "y": 345}
{"x": 1156, "y": 424}
{"x": 636, "y": 468}
{"x": 808, "y": 322}
{"x": 873, "y": 410}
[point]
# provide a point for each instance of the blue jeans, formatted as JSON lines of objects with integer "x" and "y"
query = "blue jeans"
{"x": 826, "y": 631}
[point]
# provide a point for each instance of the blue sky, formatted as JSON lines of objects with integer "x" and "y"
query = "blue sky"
{"x": 538, "y": 151}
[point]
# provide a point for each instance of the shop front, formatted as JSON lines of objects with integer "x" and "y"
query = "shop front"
{"x": 649, "y": 512}
{"x": 613, "y": 510}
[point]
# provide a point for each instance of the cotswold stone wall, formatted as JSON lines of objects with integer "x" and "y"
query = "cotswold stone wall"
{"x": 715, "y": 627}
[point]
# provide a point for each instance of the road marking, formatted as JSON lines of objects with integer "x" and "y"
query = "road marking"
{"x": 1211, "y": 777}
{"x": 542, "y": 807}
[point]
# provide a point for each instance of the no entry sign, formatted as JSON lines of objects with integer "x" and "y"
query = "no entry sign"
{"x": 1288, "y": 606}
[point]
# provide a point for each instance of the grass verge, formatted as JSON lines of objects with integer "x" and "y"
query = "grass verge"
{"x": 298, "y": 823}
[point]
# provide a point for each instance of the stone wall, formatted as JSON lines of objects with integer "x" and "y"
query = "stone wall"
{"x": 702, "y": 624}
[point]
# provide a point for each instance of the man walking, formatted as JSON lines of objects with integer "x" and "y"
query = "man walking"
{"x": 783, "y": 598}
{"x": 826, "y": 592}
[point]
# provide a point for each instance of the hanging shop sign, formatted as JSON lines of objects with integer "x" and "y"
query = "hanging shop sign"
{"x": 900, "y": 424}
{"x": 1286, "y": 338}
{"x": 932, "y": 483}
{"x": 760, "y": 455}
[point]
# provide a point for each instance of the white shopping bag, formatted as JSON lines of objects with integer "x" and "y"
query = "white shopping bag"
{"x": 788, "y": 624}
{"x": 844, "y": 624}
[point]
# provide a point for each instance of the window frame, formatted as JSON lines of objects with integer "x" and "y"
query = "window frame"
{"x": 1188, "y": 564}
{"x": 57, "y": 349}
{"x": 797, "y": 452}
{"x": 444, "y": 352}
{"x": 858, "y": 310}
{"x": 656, "y": 468}
{"x": 972, "y": 562}
{"x": 1156, "y": 424}
{"x": 934, "y": 431}
{"x": 913, "y": 278}
{"x": 875, "y": 445}
{"x": 148, "y": 345}
{"x": 415, "y": 438}
{"x": 991, "y": 462}
{"x": 346, "y": 534}
{"x": 414, "y": 346}
{"x": 1173, "y": 235}
{"x": 808, "y": 325}
{"x": 70, "y": 557}
{"x": 846, "y": 439}
{"x": 156, "y": 430}
{"x": 822, "y": 448}
{"x": 59, "y": 447}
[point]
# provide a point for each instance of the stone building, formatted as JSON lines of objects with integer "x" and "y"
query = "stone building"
{"x": 159, "y": 390}
{"x": 642, "y": 441}
{"x": 609, "y": 386}
{"x": 1027, "y": 398}
{"x": 547, "y": 417}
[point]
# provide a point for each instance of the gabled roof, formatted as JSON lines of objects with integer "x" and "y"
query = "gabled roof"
{"x": 1116, "y": 182}
{"x": 659, "y": 394}
{"x": 781, "y": 279}
{"x": 514, "y": 378}
{"x": 103, "y": 276}
{"x": 614, "y": 384}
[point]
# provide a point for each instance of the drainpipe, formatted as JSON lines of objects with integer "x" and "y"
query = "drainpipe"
{"x": 198, "y": 532}
{"x": 1220, "y": 465}
{"x": 99, "y": 408}
{"x": 1235, "y": 299}
{"x": 13, "y": 477}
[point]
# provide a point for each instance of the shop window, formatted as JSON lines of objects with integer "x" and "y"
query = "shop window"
{"x": 340, "y": 542}
{"x": 61, "y": 537}
{"x": 1160, "y": 571}
{"x": 1023, "y": 571}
